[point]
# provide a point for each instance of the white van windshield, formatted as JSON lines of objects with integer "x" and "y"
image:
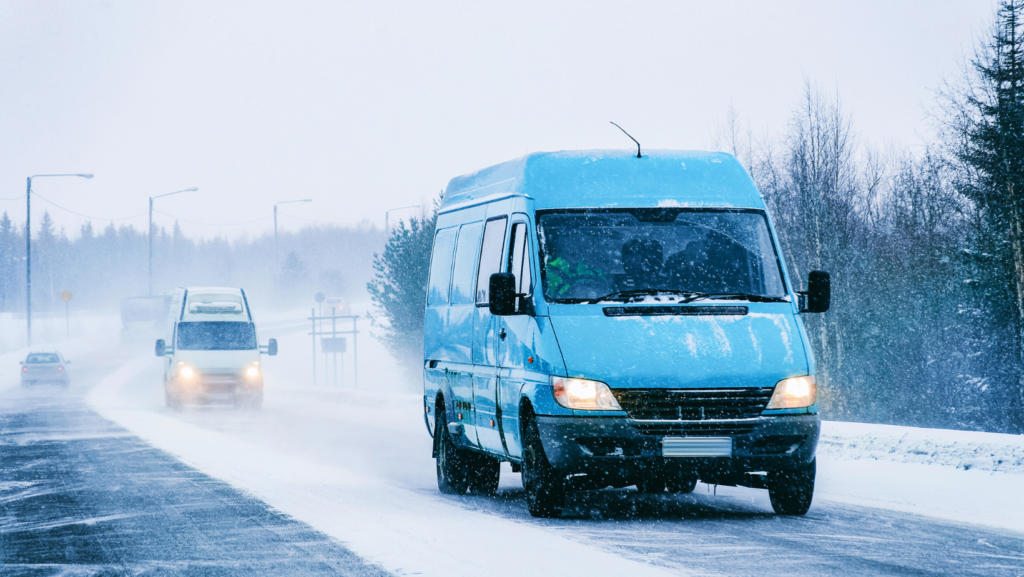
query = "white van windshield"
{"x": 216, "y": 336}
{"x": 622, "y": 254}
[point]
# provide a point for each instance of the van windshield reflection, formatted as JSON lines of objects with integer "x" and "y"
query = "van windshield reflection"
{"x": 591, "y": 255}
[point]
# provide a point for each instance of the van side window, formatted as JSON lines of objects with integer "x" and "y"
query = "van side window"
{"x": 490, "y": 257}
{"x": 441, "y": 267}
{"x": 465, "y": 263}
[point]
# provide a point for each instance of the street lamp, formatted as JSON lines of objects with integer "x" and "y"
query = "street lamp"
{"x": 277, "y": 265}
{"x": 193, "y": 189}
{"x": 28, "y": 249}
{"x": 386, "y": 213}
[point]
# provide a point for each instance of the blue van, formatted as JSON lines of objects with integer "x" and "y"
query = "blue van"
{"x": 601, "y": 319}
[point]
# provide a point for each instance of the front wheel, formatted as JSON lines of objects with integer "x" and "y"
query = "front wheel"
{"x": 681, "y": 484}
{"x": 791, "y": 491}
{"x": 545, "y": 487}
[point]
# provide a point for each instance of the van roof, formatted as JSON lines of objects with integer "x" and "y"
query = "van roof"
{"x": 610, "y": 178}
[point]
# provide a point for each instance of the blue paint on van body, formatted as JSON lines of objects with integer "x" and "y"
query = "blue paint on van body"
{"x": 484, "y": 380}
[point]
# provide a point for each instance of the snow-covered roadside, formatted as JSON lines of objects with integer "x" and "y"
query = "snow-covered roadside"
{"x": 404, "y": 530}
{"x": 961, "y": 476}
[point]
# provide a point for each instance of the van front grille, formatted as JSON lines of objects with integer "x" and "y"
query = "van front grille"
{"x": 670, "y": 429}
{"x": 693, "y": 404}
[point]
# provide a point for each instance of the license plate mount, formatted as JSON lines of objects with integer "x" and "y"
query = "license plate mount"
{"x": 696, "y": 447}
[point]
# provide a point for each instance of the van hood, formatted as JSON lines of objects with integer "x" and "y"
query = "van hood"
{"x": 757, "y": 349}
{"x": 225, "y": 360}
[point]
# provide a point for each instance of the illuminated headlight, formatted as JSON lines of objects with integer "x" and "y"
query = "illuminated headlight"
{"x": 794, "y": 393}
{"x": 584, "y": 394}
{"x": 186, "y": 372}
{"x": 252, "y": 372}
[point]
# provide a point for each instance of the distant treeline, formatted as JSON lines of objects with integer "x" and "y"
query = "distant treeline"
{"x": 926, "y": 250}
{"x": 101, "y": 267}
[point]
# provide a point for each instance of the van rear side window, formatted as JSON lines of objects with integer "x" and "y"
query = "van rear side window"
{"x": 465, "y": 263}
{"x": 441, "y": 267}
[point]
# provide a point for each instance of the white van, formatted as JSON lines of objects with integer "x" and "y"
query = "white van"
{"x": 214, "y": 352}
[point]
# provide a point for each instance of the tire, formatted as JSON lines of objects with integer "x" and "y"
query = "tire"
{"x": 681, "y": 484}
{"x": 651, "y": 485}
{"x": 791, "y": 492}
{"x": 172, "y": 401}
{"x": 452, "y": 463}
{"x": 545, "y": 487}
{"x": 484, "y": 474}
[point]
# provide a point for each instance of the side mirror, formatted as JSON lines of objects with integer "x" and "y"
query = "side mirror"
{"x": 272, "y": 347}
{"x": 161, "y": 349}
{"x": 502, "y": 290}
{"x": 818, "y": 297}
{"x": 21, "y": 362}
{"x": 67, "y": 362}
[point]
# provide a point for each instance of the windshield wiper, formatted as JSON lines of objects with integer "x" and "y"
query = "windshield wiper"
{"x": 741, "y": 296}
{"x": 626, "y": 295}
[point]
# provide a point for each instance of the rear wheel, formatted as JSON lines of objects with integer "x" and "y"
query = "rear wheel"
{"x": 545, "y": 487}
{"x": 791, "y": 491}
{"x": 452, "y": 462}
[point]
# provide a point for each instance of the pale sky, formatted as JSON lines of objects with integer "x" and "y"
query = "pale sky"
{"x": 367, "y": 106}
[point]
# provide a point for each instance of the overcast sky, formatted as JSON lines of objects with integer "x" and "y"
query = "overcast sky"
{"x": 367, "y": 106}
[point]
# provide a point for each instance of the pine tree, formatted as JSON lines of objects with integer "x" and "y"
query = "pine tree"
{"x": 988, "y": 131}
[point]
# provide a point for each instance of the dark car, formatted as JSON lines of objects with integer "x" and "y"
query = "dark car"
{"x": 45, "y": 368}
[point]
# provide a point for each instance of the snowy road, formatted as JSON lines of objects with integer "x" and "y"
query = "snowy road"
{"x": 80, "y": 495}
{"x": 355, "y": 466}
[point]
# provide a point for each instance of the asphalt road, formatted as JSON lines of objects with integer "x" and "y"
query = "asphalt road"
{"x": 81, "y": 496}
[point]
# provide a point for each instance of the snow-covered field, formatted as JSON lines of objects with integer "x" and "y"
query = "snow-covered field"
{"x": 356, "y": 465}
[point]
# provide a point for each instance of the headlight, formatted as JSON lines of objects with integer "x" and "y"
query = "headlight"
{"x": 252, "y": 372}
{"x": 186, "y": 372}
{"x": 584, "y": 394}
{"x": 794, "y": 393}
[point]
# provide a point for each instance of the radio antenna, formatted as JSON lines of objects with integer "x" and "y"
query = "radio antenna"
{"x": 630, "y": 137}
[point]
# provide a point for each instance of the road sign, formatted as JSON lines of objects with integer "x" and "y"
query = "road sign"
{"x": 320, "y": 297}
{"x": 65, "y": 296}
{"x": 332, "y": 345}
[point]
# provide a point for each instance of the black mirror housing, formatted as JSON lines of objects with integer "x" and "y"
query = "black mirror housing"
{"x": 502, "y": 292}
{"x": 272, "y": 347}
{"x": 161, "y": 348}
{"x": 818, "y": 298}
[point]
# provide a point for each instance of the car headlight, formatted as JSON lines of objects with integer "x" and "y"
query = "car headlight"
{"x": 186, "y": 372}
{"x": 584, "y": 394}
{"x": 794, "y": 393}
{"x": 252, "y": 372}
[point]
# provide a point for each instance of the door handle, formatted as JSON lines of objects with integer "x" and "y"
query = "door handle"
{"x": 501, "y": 334}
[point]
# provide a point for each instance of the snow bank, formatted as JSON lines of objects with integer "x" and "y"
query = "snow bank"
{"x": 958, "y": 449}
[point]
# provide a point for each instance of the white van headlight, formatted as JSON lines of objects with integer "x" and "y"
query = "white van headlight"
{"x": 186, "y": 372}
{"x": 584, "y": 395}
{"x": 794, "y": 393}
{"x": 252, "y": 372}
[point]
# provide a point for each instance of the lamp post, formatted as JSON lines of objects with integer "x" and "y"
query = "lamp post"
{"x": 277, "y": 265}
{"x": 28, "y": 249}
{"x": 193, "y": 189}
{"x": 388, "y": 212}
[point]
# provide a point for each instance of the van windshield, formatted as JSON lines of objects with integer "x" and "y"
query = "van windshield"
{"x": 588, "y": 254}
{"x": 216, "y": 336}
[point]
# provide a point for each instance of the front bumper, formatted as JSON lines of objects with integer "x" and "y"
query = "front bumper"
{"x": 216, "y": 388}
{"x": 615, "y": 447}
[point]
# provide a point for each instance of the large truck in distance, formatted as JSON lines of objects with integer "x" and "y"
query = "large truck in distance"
{"x": 598, "y": 318}
{"x": 214, "y": 352}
